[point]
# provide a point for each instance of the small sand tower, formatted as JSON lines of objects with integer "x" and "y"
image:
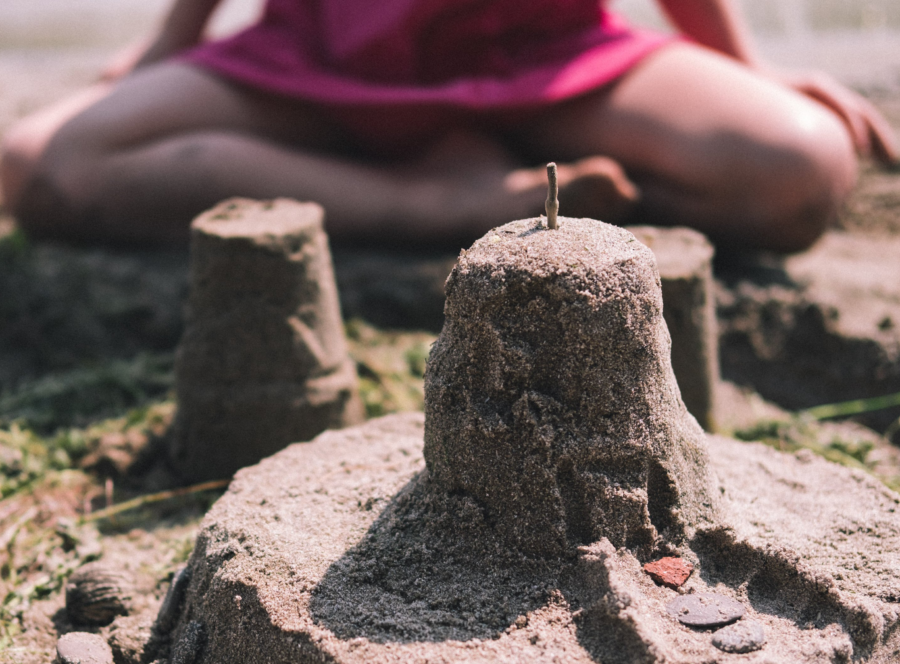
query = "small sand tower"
{"x": 550, "y": 395}
{"x": 263, "y": 361}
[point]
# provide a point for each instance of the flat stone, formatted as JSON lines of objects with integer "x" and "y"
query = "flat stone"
{"x": 339, "y": 550}
{"x": 670, "y": 572}
{"x": 741, "y": 637}
{"x": 705, "y": 609}
{"x": 83, "y": 648}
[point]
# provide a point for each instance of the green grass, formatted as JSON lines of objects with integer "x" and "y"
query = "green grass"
{"x": 26, "y": 457}
{"x": 82, "y": 395}
{"x": 391, "y": 367}
{"x": 853, "y": 407}
{"x": 49, "y": 427}
{"x": 799, "y": 432}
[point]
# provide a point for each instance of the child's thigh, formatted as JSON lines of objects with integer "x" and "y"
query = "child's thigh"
{"x": 174, "y": 98}
{"x": 694, "y": 116}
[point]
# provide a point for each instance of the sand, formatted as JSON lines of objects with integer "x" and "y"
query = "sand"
{"x": 341, "y": 550}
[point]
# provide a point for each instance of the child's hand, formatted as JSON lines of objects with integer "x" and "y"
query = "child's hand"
{"x": 182, "y": 28}
{"x": 140, "y": 54}
{"x": 870, "y": 131}
{"x": 124, "y": 61}
{"x": 162, "y": 48}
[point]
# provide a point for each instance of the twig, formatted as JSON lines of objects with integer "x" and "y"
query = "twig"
{"x": 149, "y": 498}
{"x": 552, "y": 204}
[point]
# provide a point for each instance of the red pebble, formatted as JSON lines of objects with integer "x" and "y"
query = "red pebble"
{"x": 669, "y": 572}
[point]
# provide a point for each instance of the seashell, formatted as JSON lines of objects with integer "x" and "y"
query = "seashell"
{"x": 96, "y": 594}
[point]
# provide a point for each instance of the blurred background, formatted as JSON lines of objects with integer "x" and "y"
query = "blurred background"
{"x": 856, "y": 40}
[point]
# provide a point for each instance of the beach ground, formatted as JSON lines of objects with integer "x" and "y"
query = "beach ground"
{"x": 63, "y": 459}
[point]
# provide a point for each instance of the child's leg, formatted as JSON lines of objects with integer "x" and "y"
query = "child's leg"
{"x": 29, "y": 137}
{"x": 711, "y": 145}
{"x": 137, "y": 162}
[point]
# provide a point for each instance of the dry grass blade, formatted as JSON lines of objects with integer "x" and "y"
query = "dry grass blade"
{"x": 150, "y": 498}
{"x": 10, "y": 533}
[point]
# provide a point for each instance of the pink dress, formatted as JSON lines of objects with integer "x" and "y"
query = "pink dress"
{"x": 382, "y": 64}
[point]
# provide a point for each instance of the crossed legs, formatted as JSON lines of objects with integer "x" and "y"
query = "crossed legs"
{"x": 707, "y": 143}
{"x": 712, "y": 146}
{"x": 134, "y": 163}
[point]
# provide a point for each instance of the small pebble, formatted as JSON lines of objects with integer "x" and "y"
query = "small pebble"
{"x": 83, "y": 648}
{"x": 669, "y": 572}
{"x": 705, "y": 610}
{"x": 742, "y": 637}
{"x": 130, "y": 637}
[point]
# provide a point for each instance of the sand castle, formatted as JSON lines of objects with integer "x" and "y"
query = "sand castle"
{"x": 550, "y": 397}
{"x": 263, "y": 361}
{"x": 513, "y": 521}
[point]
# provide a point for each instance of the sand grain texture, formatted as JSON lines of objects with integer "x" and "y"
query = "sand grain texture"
{"x": 340, "y": 550}
{"x": 550, "y": 397}
{"x": 512, "y": 521}
{"x": 263, "y": 360}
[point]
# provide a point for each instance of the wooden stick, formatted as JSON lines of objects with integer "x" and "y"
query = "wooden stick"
{"x": 552, "y": 204}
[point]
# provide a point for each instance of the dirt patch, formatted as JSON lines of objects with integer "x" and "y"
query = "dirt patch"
{"x": 64, "y": 308}
{"x": 819, "y": 327}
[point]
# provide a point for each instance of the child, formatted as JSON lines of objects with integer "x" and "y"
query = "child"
{"x": 422, "y": 121}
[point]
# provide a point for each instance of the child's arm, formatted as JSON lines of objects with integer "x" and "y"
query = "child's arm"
{"x": 182, "y": 28}
{"x": 718, "y": 25}
{"x": 714, "y": 23}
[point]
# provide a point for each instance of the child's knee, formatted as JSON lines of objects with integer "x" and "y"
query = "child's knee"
{"x": 831, "y": 157}
{"x": 810, "y": 180}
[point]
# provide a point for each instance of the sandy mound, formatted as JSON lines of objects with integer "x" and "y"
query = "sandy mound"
{"x": 341, "y": 550}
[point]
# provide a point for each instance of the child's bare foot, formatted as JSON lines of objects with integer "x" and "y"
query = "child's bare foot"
{"x": 595, "y": 187}
{"x": 468, "y": 183}
{"x": 460, "y": 186}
